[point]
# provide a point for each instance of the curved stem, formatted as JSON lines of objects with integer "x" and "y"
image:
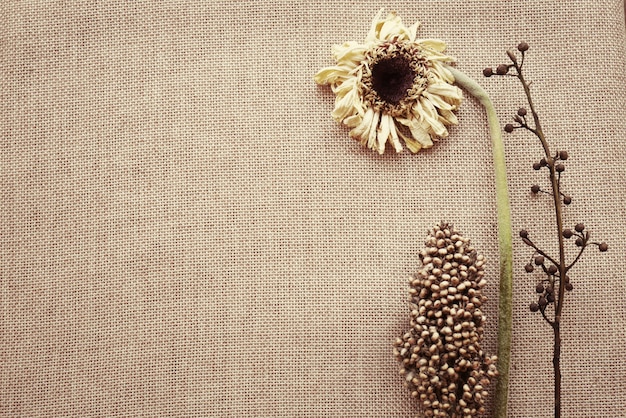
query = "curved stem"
{"x": 505, "y": 241}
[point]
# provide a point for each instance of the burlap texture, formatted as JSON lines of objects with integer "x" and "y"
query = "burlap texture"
{"x": 186, "y": 232}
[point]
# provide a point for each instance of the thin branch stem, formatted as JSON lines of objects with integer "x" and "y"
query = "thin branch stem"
{"x": 543, "y": 313}
{"x": 556, "y": 194}
{"x": 541, "y": 252}
{"x": 582, "y": 249}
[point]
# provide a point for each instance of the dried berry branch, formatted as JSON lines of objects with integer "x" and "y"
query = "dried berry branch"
{"x": 552, "y": 288}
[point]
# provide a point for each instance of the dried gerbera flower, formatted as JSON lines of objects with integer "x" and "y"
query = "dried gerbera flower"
{"x": 393, "y": 86}
{"x": 442, "y": 360}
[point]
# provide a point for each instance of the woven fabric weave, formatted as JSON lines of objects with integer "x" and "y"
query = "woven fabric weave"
{"x": 186, "y": 232}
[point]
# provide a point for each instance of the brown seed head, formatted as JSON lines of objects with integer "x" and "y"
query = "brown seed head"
{"x": 441, "y": 358}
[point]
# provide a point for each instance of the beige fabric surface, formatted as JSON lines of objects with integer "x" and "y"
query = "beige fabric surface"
{"x": 187, "y": 232}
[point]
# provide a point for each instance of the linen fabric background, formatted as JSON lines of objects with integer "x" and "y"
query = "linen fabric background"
{"x": 187, "y": 232}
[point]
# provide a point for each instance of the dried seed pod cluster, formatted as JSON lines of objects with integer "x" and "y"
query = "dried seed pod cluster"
{"x": 442, "y": 360}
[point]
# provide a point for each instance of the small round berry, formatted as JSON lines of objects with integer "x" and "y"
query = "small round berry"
{"x": 567, "y": 233}
{"x": 543, "y": 162}
{"x": 579, "y": 242}
{"x": 535, "y": 188}
{"x": 569, "y": 287}
{"x": 603, "y": 247}
{"x": 542, "y": 301}
{"x": 502, "y": 69}
{"x": 560, "y": 167}
{"x": 488, "y": 72}
{"x": 534, "y": 307}
{"x": 563, "y": 155}
{"x": 540, "y": 288}
{"x": 550, "y": 297}
{"x": 522, "y": 111}
{"x": 579, "y": 227}
{"x": 529, "y": 268}
{"x": 508, "y": 128}
{"x": 523, "y": 233}
{"x": 552, "y": 269}
{"x": 523, "y": 47}
{"x": 539, "y": 260}
{"x": 537, "y": 166}
{"x": 567, "y": 200}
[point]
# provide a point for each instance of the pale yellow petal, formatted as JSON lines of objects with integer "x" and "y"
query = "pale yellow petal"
{"x": 421, "y": 136}
{"x": 345, "y": 86}
{"x": 417, "y": 131}
{"x": 395, "y": 141}
{"x": 437, "y": 101}
{"x": 411, "y": 143}
{"x": 384, "y": 130}
{"x": 413, "y": 31}
{"x": 350, "y": 54}
{"x": 441, "y": 70}
{"x": 346, "y": 105}
{"x": 433, "y": 50}
{"x": 360, "y": 132}
{"x": 445, "y": 89}
{"x": 353, "y": 121}
{"x": 432, "y": 44}
{"x": 449, "y": 117}
{"x": 332, "y": 74}
{"x": 371, "y": 35}
{"x": 427, "y": 113}
{"x": 371, "y": 139}
{"x": 393, "y": 29}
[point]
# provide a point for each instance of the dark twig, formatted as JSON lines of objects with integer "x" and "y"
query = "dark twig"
{"x": 554, "y": 292}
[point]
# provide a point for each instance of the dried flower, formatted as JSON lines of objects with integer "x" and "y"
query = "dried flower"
{"x": 442, "y": 360}
{"x": 393, "y": 86}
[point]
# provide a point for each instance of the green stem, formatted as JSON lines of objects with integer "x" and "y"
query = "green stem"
{"x": 505, "y": 242}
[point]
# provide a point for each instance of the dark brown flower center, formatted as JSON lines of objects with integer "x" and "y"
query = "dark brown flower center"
{"x": 392, "y": 77}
